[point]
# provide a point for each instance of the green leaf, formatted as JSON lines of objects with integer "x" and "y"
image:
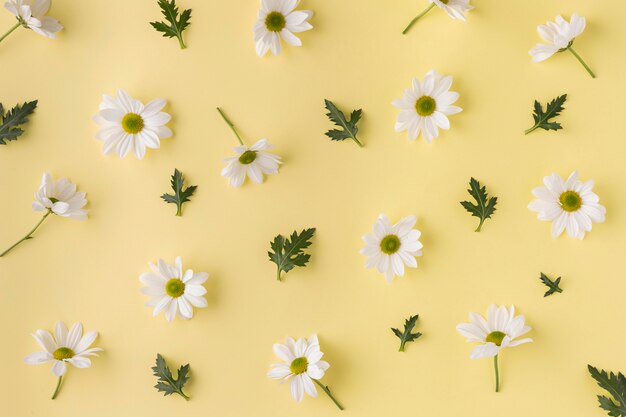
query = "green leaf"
{"x": 615, "y": 385}
{"x": 166, "y": 382}
{"x": 10, "y": 122}
{"x": 290, "y": 253}
{"x": 552, "y": 285}
{"x": 349, "y": 129}
{"x": 176, "y": 25}
{"x": 407, "y": 336}
{"x": 180, "y": 195}
{"x": 484, "y": 207}
{"x": 542, "y": 119}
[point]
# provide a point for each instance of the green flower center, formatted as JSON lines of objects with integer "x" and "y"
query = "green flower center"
{"x": 132, "y": 123}
{"x": 390, "y": 244}
{"x": 175, "y": 288}
{"x": 54, "y": 200}
{"x": 496, "y": 337}
{"x": 444, "y": 1}
{"x": 570, "y": 201}
{"x": 299, "y": 365}
{"x": 425, "y": 105}
{"x": 63, "y": 353}
{"x": 247, "y": 157}
{"x": 275, "y": 22}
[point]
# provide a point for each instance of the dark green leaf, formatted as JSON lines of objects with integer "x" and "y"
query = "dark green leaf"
{"x": 180, "y": 195}
{"x": 542, "y": 119}
{"x": 407, "y": 336}
{"x": 484, "y": 207}
{"x": 10, "y": 122}
{"x": 176, "y": 25}
{"x": 290, "y": 253}
{"x": 166, "y": 382}
{"x": 349, "y": 128}
{"x": 615, "y": 385}
{"x": 552, "y": 285}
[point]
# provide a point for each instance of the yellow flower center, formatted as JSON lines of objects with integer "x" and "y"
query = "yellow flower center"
{"x": 175, "y": 288}
{"x": 247, "y": 157}
{"x": 299, "y": 365}
{"x": 390, "y": 244}
{"x": 570, "y": 201}
{"x": 425, "y": 105}
{"x": 63, "y": 353}
{"x": 496, "y": 337}
{"x": 275, "y": 22}
{"x": 132, "y": 123}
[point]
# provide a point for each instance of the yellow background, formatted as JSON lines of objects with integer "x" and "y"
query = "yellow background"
{"x": 88, "y": 271}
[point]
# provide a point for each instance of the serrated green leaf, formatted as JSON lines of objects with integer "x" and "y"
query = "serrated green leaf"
{"x": 407, "y": 336}
{"x": 177, "y": 25}
{"x": 166, "y": 381}
{"x": 484, "y": 207}
{"x": 552, "y": 285}
{"x": 615, "y": 385}
{"x": 10, "y": 122}
{"x": 349, "y": 128}
{"x": 542, "y": 119}
{"x": 180, "y": 195}
{"x": 289, "y": 253}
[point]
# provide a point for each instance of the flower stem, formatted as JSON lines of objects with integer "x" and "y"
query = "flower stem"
{"x": 495, "y": 365}
{"x": 29, "y": 235}
{"x": 56, "y": 391}
{"x": 418, "y": 18}
{"x": 231, "y": 125}
{"x": 17, "y": 25}
{"x": 327, "y": 391}
{"x": 569, "y": 48}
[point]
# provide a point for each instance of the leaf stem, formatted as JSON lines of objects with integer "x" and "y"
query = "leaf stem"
{"x": 231, "y": 125}
{"x": 402, "y": 346}
{"x": 181, "y": 41}
{"x": 58, "y": 388}
{"x": 327, "y": 391}
{"x": 29, "y": 235}
{"x": 527, "y": 131}
{"x": 418, "y": 18}
{"x": 480, "y": 225}
{"x": 179, "y": 210}
{"x": 495, "y": 365}
{"x": 182, "y": 394}
{"x": 569, "y": 48}
{"x": 357, "y": 141}
{"x": 278, "y": 274}
{"x": 17, "y": 25}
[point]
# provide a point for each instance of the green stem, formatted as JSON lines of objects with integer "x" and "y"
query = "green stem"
{"x": 56, "y": 391}
{"x": 480, "y": 225}
{"x": 10, "y": 31}
{"x": 569, "y": 48}
{"x": 181, "y": 42}
{"x": 401, "y": 347}
{"x": 179, "y": 210}
{"x": 327, "y": 391}
{"x": 231, "y": 125}
{"x": 495, "y": 365}
{"x": 357, "y": 141}
{"x": 278, "y": 274}
{"x": 29, "y": 235}
{"x": 418, "y": 18}
{"x": 527, "y": 131}
{"x": 182, "y": 394}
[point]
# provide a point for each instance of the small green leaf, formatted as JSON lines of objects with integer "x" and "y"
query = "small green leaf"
{"x": 349, "y": 128}
{"x": 615, "y": 385}
{"x": 484, "y": 207}
{"x": 180, "y": 195}
{"x": 176, "y": 25}
{"x": 10, "y": 122}
{"x": 552, "y": 285}
{"x": 166, "y": 382}
{"x": 290, "y": 253}
{"x": 407, "y": 336}
{"x": 542, "y": 119}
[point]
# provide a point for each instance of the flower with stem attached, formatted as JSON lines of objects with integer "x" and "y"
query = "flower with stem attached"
{"x": 55, "y": 197}
{"x": 251, "y": 161}
{"x": 456, "y": 9}
{"x": 31, "y": 14}
{"x": 302, "y": 367}
{"x": 499, "y": 331}
{"x": 560, "y": 36}
{"x": 65, "y": 347}
{"x": 279, "y": 19}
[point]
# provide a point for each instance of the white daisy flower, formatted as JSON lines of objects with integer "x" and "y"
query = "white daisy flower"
{"x": 456, "y": 9}
{"x": 302, "y": 367}
{"x": 55, "y": 197}
{"x": 174, "y": 291}
{"x": 65, "y": 347}
{"x": 570, "y": 205}
{"x": 559, "y": 36}
{"x": 389, "y": 248}
{"x": 426, "y": 106}
{"x": 31, "y": 14}
{"x": 499, "y": 331}
{"x": 278, "y": 19}
{"x": 128, "y": 125}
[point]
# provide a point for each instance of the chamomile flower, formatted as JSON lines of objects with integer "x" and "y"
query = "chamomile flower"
{"x": 456, "y": 9}
{"x": 31, "y": 14}
{"x": 127, "y": 125}
{"x": 426, "y": 106}
{"x": 302, "y": 367}
{"x": 559, "y": 36}
{"x": 499, "y": 331}
{"x": 64, "y": 347}
{"x": 389, "y": 248}
{"x": 570, "y": 205}
{"x": 253, "y": 161}
{"x": 56, "y": 197}
{"x": 173, "y": 291}
{"x": 279, "y": 19}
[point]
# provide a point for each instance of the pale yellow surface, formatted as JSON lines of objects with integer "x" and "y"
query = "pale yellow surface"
{"x": 88, "y": 271}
